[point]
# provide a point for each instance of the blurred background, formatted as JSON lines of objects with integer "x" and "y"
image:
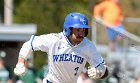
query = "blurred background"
{"x": 19, "y": 19}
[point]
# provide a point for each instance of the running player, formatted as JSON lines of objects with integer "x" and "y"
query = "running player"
{"x": 68, "y": 52}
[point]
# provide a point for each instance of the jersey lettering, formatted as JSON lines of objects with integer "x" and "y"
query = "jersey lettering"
{"x": 68, "y": 57}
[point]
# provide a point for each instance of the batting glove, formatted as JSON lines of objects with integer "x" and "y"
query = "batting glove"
{"x": 93, "y": 73}
{"x": 20, "y": 69}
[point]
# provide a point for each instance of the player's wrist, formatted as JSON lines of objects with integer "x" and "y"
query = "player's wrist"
{"x": 21, "y": 60}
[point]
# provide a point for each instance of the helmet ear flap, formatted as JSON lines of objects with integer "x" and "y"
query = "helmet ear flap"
{"x": 70, "y": 30}
{"x": 67, "y": 31}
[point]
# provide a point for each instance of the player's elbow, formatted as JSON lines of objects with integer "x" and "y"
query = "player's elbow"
{"x": 25, "y": 50}
{"x": 27, "y": 45}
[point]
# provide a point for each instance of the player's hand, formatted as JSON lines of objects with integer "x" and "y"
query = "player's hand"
{"x": 20, "y": 69}
{"x": 93, "y": 73}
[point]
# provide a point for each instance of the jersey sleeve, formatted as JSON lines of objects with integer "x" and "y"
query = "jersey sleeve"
{"x": 42, "y": 42}
{"x": 94, "y": 58}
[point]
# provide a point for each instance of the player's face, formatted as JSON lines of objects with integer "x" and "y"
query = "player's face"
{"x": 77, "y": 35}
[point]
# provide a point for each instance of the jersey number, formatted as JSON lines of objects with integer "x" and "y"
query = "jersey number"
{"x": 76, "y": 69}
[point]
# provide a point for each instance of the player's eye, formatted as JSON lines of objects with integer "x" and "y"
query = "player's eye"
{"x": 78, "y": 30}
{"x": 84, "y": 29}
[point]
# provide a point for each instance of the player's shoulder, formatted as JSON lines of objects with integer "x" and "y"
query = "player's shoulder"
{"x": 88, "y": 44}
{"x": 90, "y": 48}
{"x": 56, "y": 35}
{"x": 52, "y": 36}
{"x": 87, "y": 47}
{"x": 86, "y": 41}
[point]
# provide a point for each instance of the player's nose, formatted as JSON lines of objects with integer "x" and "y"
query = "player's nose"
{"x": 82, "y": 34}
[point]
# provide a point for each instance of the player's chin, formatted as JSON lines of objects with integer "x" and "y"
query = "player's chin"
{"x": 79, "y": 41}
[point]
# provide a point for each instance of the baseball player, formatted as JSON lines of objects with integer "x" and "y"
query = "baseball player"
{"x": 68, "y": 52}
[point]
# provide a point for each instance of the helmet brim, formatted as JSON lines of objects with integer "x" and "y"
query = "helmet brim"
{"x": 79, "y": 26}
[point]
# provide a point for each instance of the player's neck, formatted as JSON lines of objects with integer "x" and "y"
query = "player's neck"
{"x": 71, "y": 40}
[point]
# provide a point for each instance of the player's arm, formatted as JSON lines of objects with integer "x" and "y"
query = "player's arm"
{"x": 98, "y": 68}
{"x": 25, "y": 51}
{"x": 35, "y": 43}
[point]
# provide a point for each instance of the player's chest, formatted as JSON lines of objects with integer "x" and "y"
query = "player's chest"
{"x": 65, "y": 48}
{"x": 65, "y": 52}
